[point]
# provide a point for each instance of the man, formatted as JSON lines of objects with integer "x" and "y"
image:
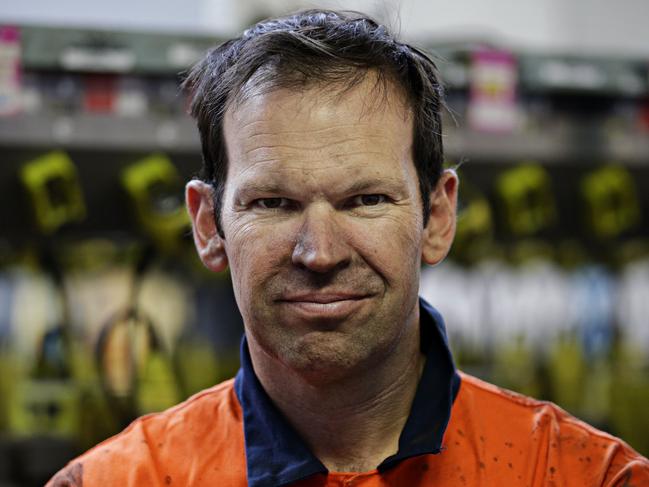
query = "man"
{"x": 323, "y": 190}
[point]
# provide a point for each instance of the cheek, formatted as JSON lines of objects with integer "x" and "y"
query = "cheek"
{"x": 255, "y": 252}
{"x": 392, "y": 247}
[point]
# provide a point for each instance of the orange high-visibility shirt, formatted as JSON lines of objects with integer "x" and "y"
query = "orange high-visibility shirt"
{"x": 225, "y": 436}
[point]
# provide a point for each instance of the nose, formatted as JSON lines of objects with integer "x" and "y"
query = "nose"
{"x": 321, "y": 245}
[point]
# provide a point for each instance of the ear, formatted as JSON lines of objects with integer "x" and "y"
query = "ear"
{"x": 199, "y": 198}
{"x": 440, "y": 229}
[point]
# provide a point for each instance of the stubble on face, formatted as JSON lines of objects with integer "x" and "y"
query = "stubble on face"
{"x": 306, "y": 149}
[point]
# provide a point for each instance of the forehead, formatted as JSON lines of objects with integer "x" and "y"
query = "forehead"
{"x": 301, "y": 127}
{"x": 370, "y": 89}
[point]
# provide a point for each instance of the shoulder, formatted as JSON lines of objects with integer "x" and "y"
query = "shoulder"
{"x": 164, "y": 446}
{"x": 515, "y": 429}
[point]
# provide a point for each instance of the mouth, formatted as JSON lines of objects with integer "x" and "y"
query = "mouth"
{"x": 327, "y": 306}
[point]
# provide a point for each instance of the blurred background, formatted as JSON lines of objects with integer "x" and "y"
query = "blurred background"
{"x": 106, "y": 314}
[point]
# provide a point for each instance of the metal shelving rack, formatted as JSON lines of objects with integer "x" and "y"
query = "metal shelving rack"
{"x": 179, "y": 134}
{"x": 81, "y": 52}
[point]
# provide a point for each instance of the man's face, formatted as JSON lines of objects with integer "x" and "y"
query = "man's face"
{"x": 323, "y": 226}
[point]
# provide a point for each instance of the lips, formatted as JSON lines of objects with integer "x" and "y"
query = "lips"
{"x": 322, "y": 305}
{"x": 322, "y": 298}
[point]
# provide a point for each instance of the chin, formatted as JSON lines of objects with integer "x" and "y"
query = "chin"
{"x": 324, "y": 357}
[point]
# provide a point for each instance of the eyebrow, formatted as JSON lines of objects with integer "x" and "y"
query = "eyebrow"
{"x": 387, "y": 185}
{"x": 258, "y": 187}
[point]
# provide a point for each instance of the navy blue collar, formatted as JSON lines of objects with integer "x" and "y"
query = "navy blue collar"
{"x": 275, "y": 453}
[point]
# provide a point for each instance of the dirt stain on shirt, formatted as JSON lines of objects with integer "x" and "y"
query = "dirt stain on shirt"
{"x": 71, "y": 476}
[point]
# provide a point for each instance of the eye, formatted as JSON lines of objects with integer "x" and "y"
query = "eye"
{"x": 271, "y": 203}
{"x": 369, "y": 199}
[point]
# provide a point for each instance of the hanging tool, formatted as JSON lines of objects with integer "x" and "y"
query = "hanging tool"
{"x": 53, "y": 187}
{"x": 135, "y": 370}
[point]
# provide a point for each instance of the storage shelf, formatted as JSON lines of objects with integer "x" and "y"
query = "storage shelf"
{"x": 548, "y": 147}
{"x": 179, "y": 134}
{"x": 100, "y": 132}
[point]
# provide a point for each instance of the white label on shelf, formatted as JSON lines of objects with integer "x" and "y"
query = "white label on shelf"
{"x": 104, "y": 59}
{"x": 167, "y": 133}
{"x": 62, "y": 129}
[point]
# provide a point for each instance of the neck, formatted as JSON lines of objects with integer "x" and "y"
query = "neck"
{"x": 352, "y": 424}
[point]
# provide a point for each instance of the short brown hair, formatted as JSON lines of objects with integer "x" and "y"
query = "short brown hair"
{"x": 305, "y": 48}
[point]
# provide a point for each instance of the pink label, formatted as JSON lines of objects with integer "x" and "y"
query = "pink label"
{"x": 492, "y": 97}
{"x": 10, "y": 84}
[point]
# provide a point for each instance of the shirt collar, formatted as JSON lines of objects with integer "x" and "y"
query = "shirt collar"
{"x": 275, "y": 453}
